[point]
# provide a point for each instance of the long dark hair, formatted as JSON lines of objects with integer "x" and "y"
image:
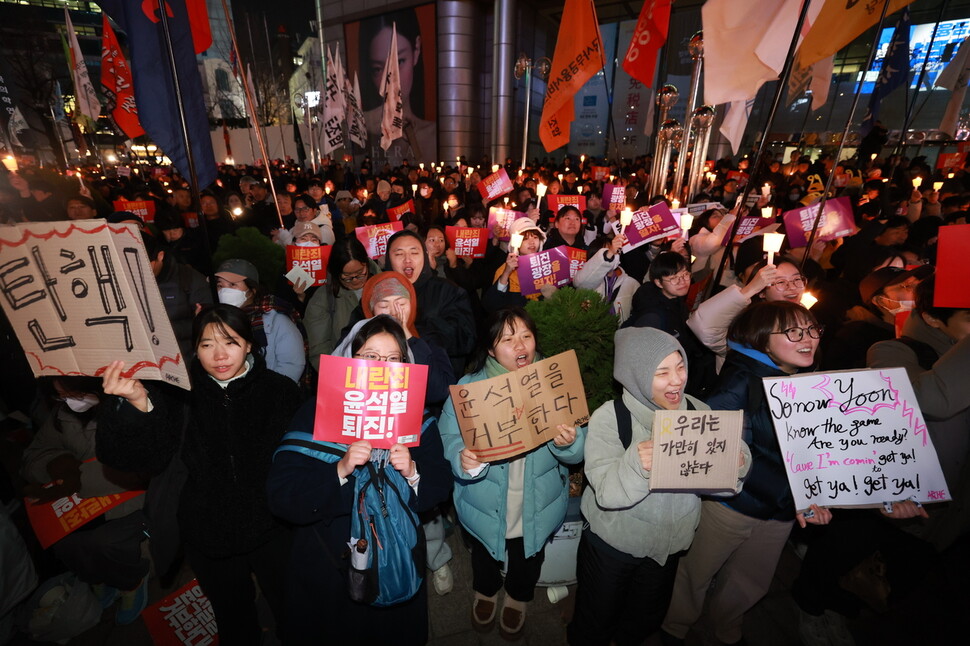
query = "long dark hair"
{"x": 495, "y": 326}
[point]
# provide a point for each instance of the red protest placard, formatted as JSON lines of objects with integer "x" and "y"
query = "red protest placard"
{"x": 312, "y": 260}
{"x": 376, "y": 401}
{"x": 374, "y": 237}
{"x": 504, "y": 218}
{"x": 145, "y": 209}
{"x": 183, "y": 618}
{"x": 650, "y": 224}
{"x": 577, "y": 258}
{"x": 556, "y": 202}
{"x": 549, "y": 267}
{"x": 397, "y": 212}
{"x": 468, "y": 241}
{"x": 495, "y": 185}
{"x": 952, "y": 251}
{"x": 614, "y": 197}
{"x": 950, "y": 160}
{"x": 52, "y": 521}
{"x": 600, "y": 173}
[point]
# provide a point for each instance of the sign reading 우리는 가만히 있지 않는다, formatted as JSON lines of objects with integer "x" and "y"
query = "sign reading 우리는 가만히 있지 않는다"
{"x": 696, "y": 450}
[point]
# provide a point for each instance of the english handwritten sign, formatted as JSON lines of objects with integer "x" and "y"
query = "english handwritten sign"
{"x": 854, "y": 438}
{"x": 374, "y": 237}
{"x": 696, "y": 450}
{"x": 81, "y": 294}
{"x": 514, "y": 413}
{"x": 377, "y": 401}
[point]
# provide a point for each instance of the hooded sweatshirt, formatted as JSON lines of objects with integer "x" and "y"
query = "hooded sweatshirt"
{"x": 619, "y": 505}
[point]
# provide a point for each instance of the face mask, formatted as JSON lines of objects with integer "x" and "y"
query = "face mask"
{"x": 903, "y": 306}
{"x": 230, "y": 296}
{"x": 81, "y": 404}
{"x": 307, "y": 243}
{"x": 793, "y": 197}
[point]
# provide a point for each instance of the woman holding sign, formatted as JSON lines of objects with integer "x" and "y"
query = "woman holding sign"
{"x": 739, "y": 539}
{"x": 629, "y": 552}
{"x": 317, "y": 497}
{"x": 509, "y": 508}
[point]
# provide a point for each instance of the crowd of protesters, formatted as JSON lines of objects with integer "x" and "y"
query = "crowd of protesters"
{"x": 701, "y": 324}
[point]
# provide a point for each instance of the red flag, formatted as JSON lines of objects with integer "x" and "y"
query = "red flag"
{"x": 116, "y": 80}
{"x": 648, "y": 37}
{"x": 199, "y": 24}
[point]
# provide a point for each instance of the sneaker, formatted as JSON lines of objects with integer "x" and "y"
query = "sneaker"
{"x": 483, "y": 612}
{"x": 132, "y": 603}
{"x": 443, "y": 580}
{"x": 106, "y": 594}
{"x": 513, "y": 619}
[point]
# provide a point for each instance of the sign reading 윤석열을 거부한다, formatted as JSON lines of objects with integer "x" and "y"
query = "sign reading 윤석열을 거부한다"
{"x": 81, "y": 294}
{"x": 854, "y": 438}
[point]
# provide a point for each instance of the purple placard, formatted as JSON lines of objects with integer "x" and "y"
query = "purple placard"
{"x": 837, "y": 221}
{"x": 650, "y": 224}
{"x": 503, "y": 218}
{"x": 614, "y": 197}
{"x": 549, "y": 267}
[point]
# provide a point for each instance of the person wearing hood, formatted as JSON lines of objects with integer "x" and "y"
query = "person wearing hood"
{"x": 629, "y": 552}
{"x": 317, "y": 497}
{"x": 505, "y": 290}
{"x": 444, "y": 313}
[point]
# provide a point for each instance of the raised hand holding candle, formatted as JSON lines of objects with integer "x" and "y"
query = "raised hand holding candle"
{"x": 772, "y": 244}
{"x": 937, "y": 186}
{"x": 768, "y": 212}
{"x": 626, "y": 217}
{"x": 515, "y": 241}
{"x": 917, "y": 181}
{"x": 686, "y": 222}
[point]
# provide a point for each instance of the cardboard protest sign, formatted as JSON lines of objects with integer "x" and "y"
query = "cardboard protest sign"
{"x": 183, "y": 618}
{"x": 145, "y": 209}
{"x": 837, "y": 221}
{"x": 495, "y": 185}
{"x": 374, "y": 237}
{"x": 503, "y": 218}
{"x": 549, "y": 267}
{"x": 397, "y": 212}
{"x": 377, "y": 401}
{"x": 614, "y": 197}
{"x": 513, "y": 413}
{"x": 650, "y": 224}
{"x": 52, "y": 521}
{"x": 952, "y": 250}
{"x": 577, "y": 258}
{"x": 312, "y": 260}
{"x": 556, "y": 202}
{"x": 696, "y": 450}
{"x": 468, "y": 241}
{"x": 600, "y": 173}
{"x": 80, "y": 295}
{"x": 854, "y": 438}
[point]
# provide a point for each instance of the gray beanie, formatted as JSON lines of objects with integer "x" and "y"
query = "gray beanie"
{"x": 639, "y": 350}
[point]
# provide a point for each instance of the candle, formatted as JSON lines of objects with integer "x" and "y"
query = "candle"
{"x": 626, "y": 216}
{"x": 541, "y": 189}
{"x": 10, "y": 162}
{"x": 808, "y": 300}
{"x": 506, "y": 201}
{"x": 686, "y": 221}
{"x": 582, "y": 158}
{"x": 237, "y": 211}
{"x": 766, "y": 190}
{"x": 675, "y": 203}
{"x": 327, "y": 190}
{"x": 421, "y": 165}
{"x": 772, "y": 244}
{"x": 872, "y": 157}
{"x": 414, "y": 189}
{"x": 949, "y": 176}
{"x": 937, "y": 186}
{"x": 917, "y": 181}
{"x": 365, "y": 193}
{"x": 495, "y": 168}
{"x": 560, "y": 177}
{"x": 515, "y": 241}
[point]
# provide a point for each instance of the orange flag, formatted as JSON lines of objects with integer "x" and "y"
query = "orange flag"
{"x": 578, "y": 56}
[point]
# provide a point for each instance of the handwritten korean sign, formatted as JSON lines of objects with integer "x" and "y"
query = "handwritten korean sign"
{"x": 504, "y": 219}
{"x": 650, "y": 224}
{"x": 397, "y": 212}
{"x": 468, "y": 241}
{"x": 549, "y": 267}
{"x": 183, "y": 618}
{"x": 374, "y": 237}
{"x": 837, "y": 221}
{"x": 380, "y": 402}
{"x": 145, "y": 209}
{"x": 495, "y": 185}
{"x": 313, "y": 260}
{"x": 53, "y": 521}
{"x": 80, "y": 295}
{"x": 513, "y": 413}
{"x": 696, "y": 450}
{"x": 854, "y": 438}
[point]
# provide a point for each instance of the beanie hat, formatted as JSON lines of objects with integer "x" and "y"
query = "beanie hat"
{"x": 639, "y": 350}
{"x": 385, "y": 284}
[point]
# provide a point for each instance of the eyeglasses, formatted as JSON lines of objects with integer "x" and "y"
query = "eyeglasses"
{"x": 682, "y": 277}
{"x": 373, "y": 356}
{"x": 350, "y": 278}
{"x": 798, "y": 282}
{"x": 303, "y": 208}
{"x": 796, "y": 334}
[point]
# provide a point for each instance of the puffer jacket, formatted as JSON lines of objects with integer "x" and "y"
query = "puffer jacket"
{"x": 481, "y": 500}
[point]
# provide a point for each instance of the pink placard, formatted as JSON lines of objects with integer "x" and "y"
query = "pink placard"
{"x": 504, "y": 218}
{"x": 650, "y": 224}
{"x": 377, "y": 401}
{"x": 549, "y": 267}
{"x": 614, "y": 197}
{"x": 837, "y": 221}
{"x": 374, "y": 237}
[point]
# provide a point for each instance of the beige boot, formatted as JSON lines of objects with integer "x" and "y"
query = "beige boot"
{"x": 513, "y": 619}
{"x": 483, "y": 612}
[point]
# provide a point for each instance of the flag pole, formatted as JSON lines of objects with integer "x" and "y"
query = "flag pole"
{"x": 611, "y": 127}
{"x": 759, "y": 164}
{"x": 845, "y": 135}
{"x": 252, "y": 114}
{"x": 189, "y": 157}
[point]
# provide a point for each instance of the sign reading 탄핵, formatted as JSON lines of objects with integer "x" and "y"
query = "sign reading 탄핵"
{"x": 854, "y": 438}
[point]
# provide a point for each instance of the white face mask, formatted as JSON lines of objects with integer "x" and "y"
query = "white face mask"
{"x": 306, "y": 243}
{"x": 902, "y": 306}
{"x": 230, "y": 296}
{"x": 81, "y": 404}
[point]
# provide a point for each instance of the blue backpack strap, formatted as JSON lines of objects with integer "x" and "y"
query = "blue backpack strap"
{"x": 303, "y": 442}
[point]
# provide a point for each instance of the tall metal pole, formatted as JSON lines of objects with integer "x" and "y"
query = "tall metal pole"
{"x": 528, "y": 111}
{"x": 247, "y": 91}
{"x": 57, "y": 132}
{"x": 696, "y": 48}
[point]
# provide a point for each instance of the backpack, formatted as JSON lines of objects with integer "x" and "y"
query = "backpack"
{"x": 391, "y": 569}
{"x": 624, "y": 421}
